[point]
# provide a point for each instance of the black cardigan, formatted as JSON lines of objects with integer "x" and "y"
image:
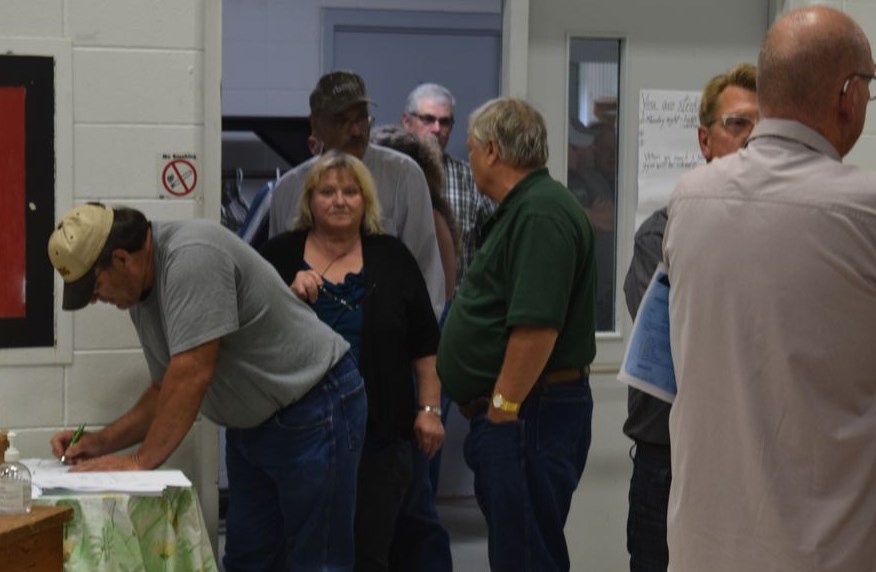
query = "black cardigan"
{"x": 398, "y": 324}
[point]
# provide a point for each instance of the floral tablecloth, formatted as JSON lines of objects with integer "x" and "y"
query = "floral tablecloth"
{"x": 125, "y": 533}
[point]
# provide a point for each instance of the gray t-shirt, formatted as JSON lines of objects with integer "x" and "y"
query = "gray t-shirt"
{"x": 209, "y": 284}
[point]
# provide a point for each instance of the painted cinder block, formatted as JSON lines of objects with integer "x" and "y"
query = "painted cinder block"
{"x": 31, "y": 396}
{"x": 103, "y": 326}
{"x": 100, "y": 386}
{"x": 137, "y": 86}
{"x": 135, "y": 23}
{"x": 41, "y": 18}
{"x": 121, "y": 162}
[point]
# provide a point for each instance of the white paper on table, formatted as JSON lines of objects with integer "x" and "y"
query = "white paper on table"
{"x": 50, "y": 475}
{"x": 647, "y": 364}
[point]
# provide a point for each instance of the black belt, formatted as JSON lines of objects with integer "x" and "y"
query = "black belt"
{"x": 567, "y": 375}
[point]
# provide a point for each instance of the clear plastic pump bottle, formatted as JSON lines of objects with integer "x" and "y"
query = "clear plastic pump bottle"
{"x": 15, "y": 491}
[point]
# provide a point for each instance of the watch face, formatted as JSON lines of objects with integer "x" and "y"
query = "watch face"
{"x": 503, "y": 404}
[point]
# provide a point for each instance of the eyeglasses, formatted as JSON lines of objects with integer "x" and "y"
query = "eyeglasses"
{"x": 349, "y": 305}
{"x": 427, "y": 119}
{"x": 736, "y": 124}
{"x": 346, "y": 123}
{"x": 343, "y": 302}
{"x": 867, "y": 76}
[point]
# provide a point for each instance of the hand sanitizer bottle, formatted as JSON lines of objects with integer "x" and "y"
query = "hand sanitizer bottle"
{"x": 14, "y": 482}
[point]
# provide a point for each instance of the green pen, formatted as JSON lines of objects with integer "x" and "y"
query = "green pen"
{"x": 79, "y": 431}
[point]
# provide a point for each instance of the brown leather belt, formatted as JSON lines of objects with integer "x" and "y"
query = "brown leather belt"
{"x": 563, "y": 375}
{"x": 567, "y": 375}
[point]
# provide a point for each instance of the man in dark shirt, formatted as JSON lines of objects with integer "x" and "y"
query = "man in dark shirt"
{"x": 728, "y": 112}
{"x": 517, "y": 345}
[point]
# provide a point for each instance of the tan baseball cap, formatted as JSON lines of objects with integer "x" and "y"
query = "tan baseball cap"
{"x": 74, "y": 247}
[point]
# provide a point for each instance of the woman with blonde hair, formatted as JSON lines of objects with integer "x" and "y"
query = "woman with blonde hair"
{"x": 367, "y": 286}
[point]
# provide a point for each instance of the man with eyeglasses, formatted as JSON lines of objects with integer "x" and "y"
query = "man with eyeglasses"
{"x": 340, "y": 119}
{"x": 728, "y": 112}
{"x": 772, "y": 261}
{"x": 429, "y": 113}
{"x": 421, "y": 541}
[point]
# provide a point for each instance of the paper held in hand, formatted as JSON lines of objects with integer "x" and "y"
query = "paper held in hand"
{"x": 647, "y": 364}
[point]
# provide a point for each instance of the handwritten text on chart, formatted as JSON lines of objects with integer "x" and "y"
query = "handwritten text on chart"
{"x": 669, "y": 113}
{"x": 684, "y": 102}
{"x": 651, "y": 162}
{"x": 668, "y": 145}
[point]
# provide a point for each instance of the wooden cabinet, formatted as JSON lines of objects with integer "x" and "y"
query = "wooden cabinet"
{"x": 34, "y": 542}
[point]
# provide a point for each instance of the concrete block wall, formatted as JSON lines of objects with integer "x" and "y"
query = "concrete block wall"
{"x": 143, "y": 80}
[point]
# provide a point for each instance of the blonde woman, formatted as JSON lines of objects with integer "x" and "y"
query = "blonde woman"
{"x": 367, "y": 286}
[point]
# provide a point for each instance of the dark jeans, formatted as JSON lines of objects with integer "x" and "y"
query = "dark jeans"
{"x": 649, "y": 500}
{"x": 384, "y": 476}
{"x": 292, "y": 480}
{"x": 525, "y": 474}
{"x": 421, "y": 542}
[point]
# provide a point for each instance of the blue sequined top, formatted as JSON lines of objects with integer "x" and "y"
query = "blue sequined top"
{"x": 340, "y": 307}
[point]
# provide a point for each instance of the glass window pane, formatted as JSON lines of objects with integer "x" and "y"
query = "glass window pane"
{"x": 592, "y": 156}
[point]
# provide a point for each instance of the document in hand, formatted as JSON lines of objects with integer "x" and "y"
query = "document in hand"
{"x": 647, "y": 364}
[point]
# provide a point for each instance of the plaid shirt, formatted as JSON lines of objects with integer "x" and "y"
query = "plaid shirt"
{"x": 470, "y": 209}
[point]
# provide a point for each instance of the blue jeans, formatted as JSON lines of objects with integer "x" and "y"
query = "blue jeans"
{"x": 525, "y": 474}
{"x": 421, "y": 542}
{"x": 292, "y": 480}
{"x": 649, "y": 501}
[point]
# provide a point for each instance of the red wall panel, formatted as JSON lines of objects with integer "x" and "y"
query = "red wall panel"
{"x": 12, "y": 202}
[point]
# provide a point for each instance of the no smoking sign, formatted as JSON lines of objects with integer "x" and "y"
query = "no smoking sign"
{"x": 178, "y": 174}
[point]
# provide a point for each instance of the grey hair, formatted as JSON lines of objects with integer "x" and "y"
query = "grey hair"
{"x": 429, "y": 91}
{"x": 515, "y": 127}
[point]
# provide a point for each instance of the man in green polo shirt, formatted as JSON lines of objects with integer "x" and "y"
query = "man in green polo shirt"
{"x": 517, "y": 345}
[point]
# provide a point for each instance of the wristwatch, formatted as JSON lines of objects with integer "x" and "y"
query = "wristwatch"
{"x": 503, "y": 404}
{"x": 431, "y": 409}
